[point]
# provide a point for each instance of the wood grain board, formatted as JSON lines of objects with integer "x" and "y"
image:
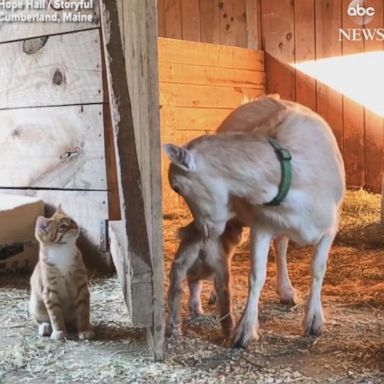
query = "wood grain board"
{"x": 227, "y": 77}
{"x": 253, "y": 23}
{"x": 66, "y": 70}
{"x": 192, "y": 53}
{"x": 226, "y": 22}
{"x": 278, "y": 35}
{"x": 305, "y": 50}
{"x": 353, "y": 116}
{"x": 195, "y": 119}
{"x": 206, "y": 96}
{"x": 329, "y": 102}
{"x": 173, "y": 19}
{"x": 81, "y": 205}
{"x": 200, "y": 84}
{"x": 10, "y": 31}
{"x": 88, "y": 209}
{"x": 59, "y": 147}
{"x": 190, "y": 15}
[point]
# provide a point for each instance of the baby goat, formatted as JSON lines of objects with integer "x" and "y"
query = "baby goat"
{"x": 210, "y": 259}
{"x": 203, "y": 259}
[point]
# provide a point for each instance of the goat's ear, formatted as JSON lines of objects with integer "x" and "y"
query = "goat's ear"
{"x": 181, "y": 157}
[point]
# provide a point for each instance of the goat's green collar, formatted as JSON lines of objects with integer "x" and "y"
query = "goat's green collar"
{"x": 284, "y": 157}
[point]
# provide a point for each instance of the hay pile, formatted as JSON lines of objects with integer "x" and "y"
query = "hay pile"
{"x": 360, "y": 220}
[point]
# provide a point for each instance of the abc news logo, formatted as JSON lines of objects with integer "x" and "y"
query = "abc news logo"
{"x": 362, "y": 16}
{"x": 360, "y": 11}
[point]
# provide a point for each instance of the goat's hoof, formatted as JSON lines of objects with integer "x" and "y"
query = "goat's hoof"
{"x": 227, "y": 326}
{"x": 196, "y": 311}
{"x": 288, "y": 297}
{"x": 313, "y": 324}
{"x": 86, "y": 335}
{"x": 289, "y": 301}
{"x": 57, "y": 335}
{"x": 173, "y": 331}
{"x": 244, "y": 336}
{"x": 212, "y": 298}
{"x": 45, "y": 329}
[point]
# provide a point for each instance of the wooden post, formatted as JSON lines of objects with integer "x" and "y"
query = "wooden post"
{"x": 135, "y": 120}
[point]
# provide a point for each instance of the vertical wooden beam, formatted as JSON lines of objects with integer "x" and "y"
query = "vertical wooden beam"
{"x": 279, "y": 44}
{"x": 141, "y": 212}
{"x": 173, "y": 19}
{"x": 154, "y": 217}
{"x": 141, "y": 60}
{"x": 190, "y": 13}
{"x": 353, "y": 116}
{"x": 232, "y": 21}
{"x": 161, "y": 20}
{"x": 305, "y": 51}
{"x": 253, "y": 9}
{"x": 110, "y": 156}
{"x": 121, "y": 19}
{"x": 374, "y": 135}
{"x": 329, "y": 102}
{"x": 210, "y": 21}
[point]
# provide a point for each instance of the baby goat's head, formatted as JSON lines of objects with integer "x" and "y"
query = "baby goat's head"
{"x": 206, "y": 195}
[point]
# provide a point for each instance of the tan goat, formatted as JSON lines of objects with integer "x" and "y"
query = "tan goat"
{"x": 234, "y": 175}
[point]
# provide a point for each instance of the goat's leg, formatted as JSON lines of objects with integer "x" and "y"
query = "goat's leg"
{"x": 212, "y": 297}
{"x": 185, "y": 257}
{"x": 314, "y": 318}
{"x": 194, "y": 304}
{"x": 285, "y": 289}
{"x": 223, "y": 294}
{"x": 246, "y": 330}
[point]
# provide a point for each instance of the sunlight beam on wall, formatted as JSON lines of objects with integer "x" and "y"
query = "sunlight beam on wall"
{"x": 359, "y": 77}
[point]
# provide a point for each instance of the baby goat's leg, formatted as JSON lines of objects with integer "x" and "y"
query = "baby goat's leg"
{"x": 194, "y": 298}
{"x": 212, "y": 297}
{"x": 185, "y": 257}
{"x": 285, "y": 289}
{"x": 223, "y": 294}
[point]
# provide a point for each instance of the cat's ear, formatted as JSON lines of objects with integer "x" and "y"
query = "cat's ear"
{"x": 42, "y": 223}
{"x": 60, "y": 209}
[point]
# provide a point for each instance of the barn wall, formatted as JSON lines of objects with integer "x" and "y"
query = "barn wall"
{"x": 226, "y": 22}
{"x": 301, "y": 30}
{"x": 52, "y": 137}
{"x": 293, "y": 31}
{"x": 200, "y": 84}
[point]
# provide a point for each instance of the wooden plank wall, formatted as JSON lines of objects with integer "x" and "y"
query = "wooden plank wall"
{"x": 314, "y": 25}
{"x": 52, "y": 141}
{"x": 293, "y": 31}
{"x": 199, "y": 85}
{"x": 226, "y": 22}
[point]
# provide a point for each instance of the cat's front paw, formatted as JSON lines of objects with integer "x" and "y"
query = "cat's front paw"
{"x": 57, "y": 335}
{"x": 86, "y": 335}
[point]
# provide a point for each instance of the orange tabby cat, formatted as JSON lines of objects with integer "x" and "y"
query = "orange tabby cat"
{"x": 59, "y": 286}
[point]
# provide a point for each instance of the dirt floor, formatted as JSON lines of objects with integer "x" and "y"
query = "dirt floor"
{"x": 351, "y": 349}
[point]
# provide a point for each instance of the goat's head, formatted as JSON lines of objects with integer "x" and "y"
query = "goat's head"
{"x": 206, "y": 195}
